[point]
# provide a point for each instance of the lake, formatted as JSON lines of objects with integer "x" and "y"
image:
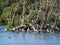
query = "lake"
{"x": 14, "y": 38}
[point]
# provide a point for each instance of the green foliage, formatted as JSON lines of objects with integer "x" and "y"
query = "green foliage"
{"x": 19, "y": 11}
{"x": 29, "y": 19}
{"x": 9, "y": 12}
{"x": 3, "y": 3}
{"x": 9, "y": 25}
{"x": 52, "y": 18}
{"x": 6, "y": 12}
{"x": 17, "y": 21}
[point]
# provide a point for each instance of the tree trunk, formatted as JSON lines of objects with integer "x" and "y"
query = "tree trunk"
{"x": 22, "y": 18}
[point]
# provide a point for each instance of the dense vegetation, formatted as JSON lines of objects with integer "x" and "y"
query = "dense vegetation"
{"x": 41, "y": 12}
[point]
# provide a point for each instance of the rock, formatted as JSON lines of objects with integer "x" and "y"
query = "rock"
{"x": 23, "y": 30}
{"x": 28, "y": 30}
{"x": 13, "y": 30}
{"x": 48, "y": 30}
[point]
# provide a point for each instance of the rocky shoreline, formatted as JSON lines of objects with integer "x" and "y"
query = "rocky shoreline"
{"x": 34, "y": 28}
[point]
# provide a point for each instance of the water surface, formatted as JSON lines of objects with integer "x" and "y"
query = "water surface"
{"x": 14, "y": 38}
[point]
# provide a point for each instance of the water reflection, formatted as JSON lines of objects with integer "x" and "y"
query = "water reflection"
{"x": 42, "y": 37}
{"x": 23, "y": 36}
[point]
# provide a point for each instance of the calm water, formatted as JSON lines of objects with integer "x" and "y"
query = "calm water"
{"x": 10, "y": 38}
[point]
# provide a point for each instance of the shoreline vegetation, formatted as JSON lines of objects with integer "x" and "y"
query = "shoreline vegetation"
{"x": 30, "y": 15}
